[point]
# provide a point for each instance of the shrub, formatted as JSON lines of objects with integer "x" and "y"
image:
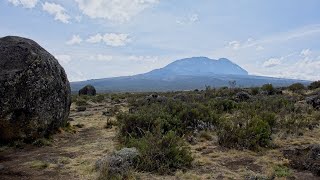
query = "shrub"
{"x": 282, "y": 171}
{"x": 223, "y": 105}
{"x": 296, "y": 87}
{"x": 251, "y": 134}
{"x": 269, "y": 89}
{"x": 255, "y": 90}
{"x": 314, "y": 85}
{"x": 269, "y": 117}
{"x": 161, "y": 153}
{"x": 81, "y": 102}
{"x": 98, "y": 99}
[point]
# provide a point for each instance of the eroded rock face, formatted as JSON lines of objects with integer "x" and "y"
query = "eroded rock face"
{"x": 35, "y": 94}
{"x": 88, "y": 90}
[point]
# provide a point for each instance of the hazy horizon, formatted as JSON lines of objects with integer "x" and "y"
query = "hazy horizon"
{"x": 100, "y": 39}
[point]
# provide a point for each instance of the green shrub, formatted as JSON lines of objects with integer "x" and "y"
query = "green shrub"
{"x": 296, "y": 87}
{"x": 314, "y": 85}
{"x": 255, "y": 90}
{"x": 251, "y": 134}
{"x": 269, "y": 117}
{"x": 81, "y": 102}
{"x": 161, "y": 153}
{"x": 223, "y": 105}
{"x": 98, "y": 98}
{"x": 269, "y": 89}
{"x": 282, "y": 171}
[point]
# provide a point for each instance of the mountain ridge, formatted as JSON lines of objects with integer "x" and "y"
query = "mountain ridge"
{"x": 185, "y": 74}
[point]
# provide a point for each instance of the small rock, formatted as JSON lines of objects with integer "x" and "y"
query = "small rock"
{"x": 106, "y": 113}
{"x": 242, "y": 96}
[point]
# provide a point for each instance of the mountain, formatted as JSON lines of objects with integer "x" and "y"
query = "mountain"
{"x": 185, "y": 74}
{"x": 197, "y": 66}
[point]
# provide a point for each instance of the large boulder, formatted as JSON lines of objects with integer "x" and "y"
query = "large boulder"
{"x": 35, "y": 93}
{"x": 88, "y": 90}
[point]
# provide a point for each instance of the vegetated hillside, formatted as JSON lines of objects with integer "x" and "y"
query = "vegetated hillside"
{"x": 185, "y": 74}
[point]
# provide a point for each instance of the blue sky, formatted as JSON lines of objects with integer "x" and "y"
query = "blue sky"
{"x": 106, "y": 38}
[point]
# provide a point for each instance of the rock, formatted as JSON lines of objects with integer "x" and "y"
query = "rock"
{"x": 153, "y": 98}
{"x": 34, "y": 90}
{"x": 305, "y": 158}
{"x": 1, "y": 167}
{"x": 242, "y": 96}
{"x": 81, "y": 108}
{"x": 314, "y": 101}
{"x": 119, "y": 163}
{"x": 88, "y": 90}
{"x": 107, "y": 113}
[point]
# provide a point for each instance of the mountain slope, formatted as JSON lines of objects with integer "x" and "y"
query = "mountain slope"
{"x": 197, "y": 66}
{"x": 185, "y": 74}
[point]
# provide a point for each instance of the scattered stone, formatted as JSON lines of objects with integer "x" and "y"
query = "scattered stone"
{"x": 119, "y": 163}
{"x": 107, "y": 113}
{"x": 88, "y": 90}
{"x": 192, "y": 140}
{"x": 155, "y": 98}
{"x": 242, "y": 96}
{"x": 304, "y": 158}
{"x": 81, "y": 108}
{"x": 34, "y": 89}
{"x": 314, "y": 101}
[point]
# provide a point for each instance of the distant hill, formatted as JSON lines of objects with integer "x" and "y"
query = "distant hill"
{"x": 185, "y": 74}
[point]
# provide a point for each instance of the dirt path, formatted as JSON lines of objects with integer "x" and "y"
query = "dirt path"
{"x": 70, "y": 156}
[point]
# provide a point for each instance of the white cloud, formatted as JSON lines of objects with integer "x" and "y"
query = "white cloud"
{"x": 101, "y": 57}
{"x": 259, "y": 48}
{"x": 303, "y": 69}
{"x": 63, "y": 58}
{"x": 95, "y": 39}
{"x": 189, "y": 20}
{"x": 272, "y": 62}
{"x": 57, "y": 11}
{"x": 111, "y": 39}
{"x": 305, "y": 53}
{"x": 114, "y": 10}
{"x": 24, "y": 3}
{"x": 143, "y": 58}
{"x": 235, "y": 45}
{"x": 76, "y": 39}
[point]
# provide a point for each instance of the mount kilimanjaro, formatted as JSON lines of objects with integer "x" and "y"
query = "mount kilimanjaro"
{"x": 185, "y": 74}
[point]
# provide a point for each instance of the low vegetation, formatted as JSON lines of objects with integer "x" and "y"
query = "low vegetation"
{"x": 158, "y": 125}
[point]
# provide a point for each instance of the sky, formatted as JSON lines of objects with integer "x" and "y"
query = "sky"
{"x": 107, "y": 38}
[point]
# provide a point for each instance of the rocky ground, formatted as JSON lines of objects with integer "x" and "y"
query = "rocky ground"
{"x": 72, "y": 153}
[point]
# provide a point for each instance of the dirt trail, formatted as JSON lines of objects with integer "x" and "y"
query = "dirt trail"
{"x": 70, "y": 156}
